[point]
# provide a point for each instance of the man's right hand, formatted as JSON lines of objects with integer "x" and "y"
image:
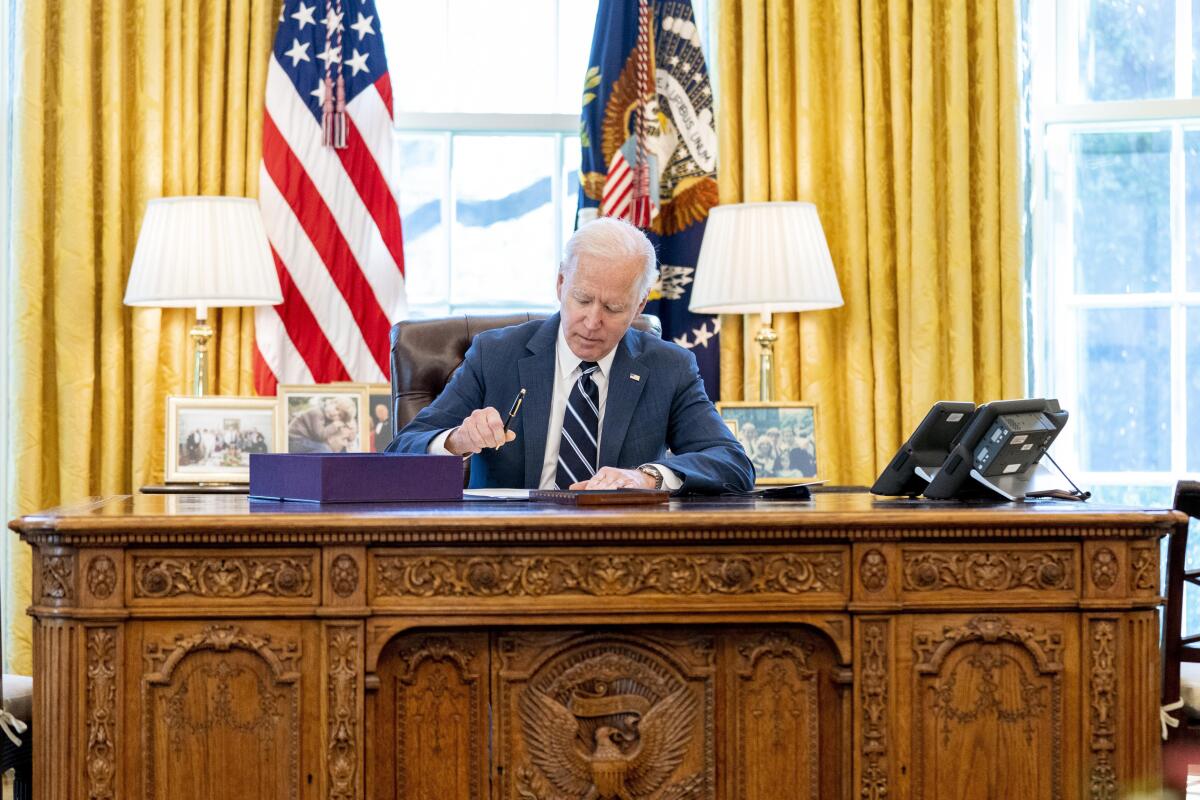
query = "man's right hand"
{"x": 483, "y": 428}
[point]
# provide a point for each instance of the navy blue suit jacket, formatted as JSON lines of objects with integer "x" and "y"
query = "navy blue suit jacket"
{"x": 663, "y": 407}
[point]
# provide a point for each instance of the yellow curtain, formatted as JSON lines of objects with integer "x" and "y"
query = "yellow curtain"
{"x": 117, "y": 101}
{"x": 898, "y": 119}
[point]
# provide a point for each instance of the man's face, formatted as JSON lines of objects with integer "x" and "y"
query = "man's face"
{"x": 599, "y": 301}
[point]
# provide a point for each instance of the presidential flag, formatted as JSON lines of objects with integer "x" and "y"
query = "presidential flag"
{"x": 329, "y": 199}
{"x": 650, "y": 151}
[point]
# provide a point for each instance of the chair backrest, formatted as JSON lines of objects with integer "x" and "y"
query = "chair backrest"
{"x": 1176, "y": 646}
{"x": 426, "y": 352}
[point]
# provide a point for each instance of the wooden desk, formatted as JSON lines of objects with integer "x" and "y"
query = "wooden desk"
{"x": 211, "y": 646}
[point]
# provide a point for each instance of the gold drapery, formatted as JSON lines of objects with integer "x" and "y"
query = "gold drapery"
{"x": 116, "y": 102}
{"x": 899, "y": 119}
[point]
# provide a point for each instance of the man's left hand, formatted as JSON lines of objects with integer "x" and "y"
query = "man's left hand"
{"x": 613, "y": 478}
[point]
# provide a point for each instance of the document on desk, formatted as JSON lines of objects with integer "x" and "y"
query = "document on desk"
{"x": 496, "y": 494}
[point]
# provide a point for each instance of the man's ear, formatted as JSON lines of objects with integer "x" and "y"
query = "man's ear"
{"x": 558, "y": 284}
{"x": 645, "y": 300}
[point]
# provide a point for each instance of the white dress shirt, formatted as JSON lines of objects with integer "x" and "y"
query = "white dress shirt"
{"x": 566, "y": 372}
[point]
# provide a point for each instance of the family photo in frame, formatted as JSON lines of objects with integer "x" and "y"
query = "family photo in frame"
{"x": 323, "y": 419}
{"x": 780, "y": 439}
{"x": 210, "y": 439}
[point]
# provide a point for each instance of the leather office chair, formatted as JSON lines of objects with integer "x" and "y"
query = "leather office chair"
{"x": 1181, "y": 651}
{"x": 426, "y": 352}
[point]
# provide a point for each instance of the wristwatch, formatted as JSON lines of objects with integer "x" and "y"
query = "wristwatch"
{"x": 653, "y": 472}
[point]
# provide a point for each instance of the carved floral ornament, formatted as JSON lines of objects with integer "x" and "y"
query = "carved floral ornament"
{"x": 223, "y": 577}
{"x": 343, "y": 575}
{"x": 872, "y": 570}
{"x": 101, "y": 712}
{"x": 58, "y": 577}
{"x": 342, "y": 754}
{"x": 1104, "y": 568}
{"x": 932, "y": 648}
{"x": 988, "y": 571}
{"x": 608, "y": 575}
{"x": 101, "y": 577}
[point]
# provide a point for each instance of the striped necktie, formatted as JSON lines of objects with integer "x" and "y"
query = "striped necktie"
{"x": 579, "y": 448}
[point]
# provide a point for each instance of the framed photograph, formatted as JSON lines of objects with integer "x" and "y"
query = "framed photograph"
{"x": 379, "y": 406}
{"x": 210, "y": 439}
{"x": 323, "y": 418}
{"x": 780, "y": 438}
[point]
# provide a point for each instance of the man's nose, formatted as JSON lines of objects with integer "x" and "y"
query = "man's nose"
{"x": 592, "y": 319}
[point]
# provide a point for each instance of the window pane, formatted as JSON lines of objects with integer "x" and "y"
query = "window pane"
{"x": 576, "y": 22}
{"x": 1191, "y": 216}
{"x": 1124, "y": 409}
{"x": 1126, "y": 49}
{"x": 503, "y": 241}
{"x": 422, "y": 191}
{"x": 1195, "y": 48}
{"x": 570, "y": 182}
{"x": 1125, "y": 495}
{"x": 459, "y": 56}
{"x": 1122, "y": 212}
{"x": 497, "y": 64}
{"x": 415, "y": 37}
{"x": 1192, "y": 388}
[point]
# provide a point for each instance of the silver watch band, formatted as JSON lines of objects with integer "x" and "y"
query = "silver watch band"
{"x": 653, "y": 472}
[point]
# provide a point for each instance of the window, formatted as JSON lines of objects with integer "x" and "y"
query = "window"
{"x": 487, "y": 140}
{"x": 487, "y": 137}
{"x": 1114, "y": 209}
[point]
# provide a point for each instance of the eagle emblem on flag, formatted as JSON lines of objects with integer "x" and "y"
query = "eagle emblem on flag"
{"x": 650, "y": 150}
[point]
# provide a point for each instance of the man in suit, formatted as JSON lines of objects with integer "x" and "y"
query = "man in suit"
{"x": 604, "y": 402}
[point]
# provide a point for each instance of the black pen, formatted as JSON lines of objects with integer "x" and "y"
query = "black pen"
{"x": 516, "y": 406}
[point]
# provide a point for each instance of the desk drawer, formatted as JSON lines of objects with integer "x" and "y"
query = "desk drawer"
{"x": 223, "y": 577}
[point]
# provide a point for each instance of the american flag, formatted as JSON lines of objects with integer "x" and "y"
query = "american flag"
{"x": 332, "y": 213}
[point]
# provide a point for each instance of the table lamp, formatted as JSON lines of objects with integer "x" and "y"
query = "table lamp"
{"x": 764, "y": 258}
{"x": 206, "y": 252}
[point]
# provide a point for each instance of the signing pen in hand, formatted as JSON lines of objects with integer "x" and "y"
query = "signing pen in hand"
{"x": 516, "y": 406}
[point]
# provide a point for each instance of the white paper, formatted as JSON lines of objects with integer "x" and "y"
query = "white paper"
{"x": 498, "y": 494}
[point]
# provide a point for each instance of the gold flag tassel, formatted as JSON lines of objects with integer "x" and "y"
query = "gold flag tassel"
{"x": 640, "y": 212}
{"x": 333, "y": 103}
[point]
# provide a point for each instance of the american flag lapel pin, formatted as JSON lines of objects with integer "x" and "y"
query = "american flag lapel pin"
{"x": 635, "y": 376}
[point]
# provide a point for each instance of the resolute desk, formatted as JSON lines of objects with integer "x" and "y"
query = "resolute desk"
{"x": 207, "y": 646}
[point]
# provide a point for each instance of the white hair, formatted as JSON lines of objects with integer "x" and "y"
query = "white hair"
{"x": 612, "y": 239}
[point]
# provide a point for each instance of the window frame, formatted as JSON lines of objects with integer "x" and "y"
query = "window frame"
{"x": 561, "y": 126}
{"x": 1053, "y": 337}
{"x": 450, "y": 125}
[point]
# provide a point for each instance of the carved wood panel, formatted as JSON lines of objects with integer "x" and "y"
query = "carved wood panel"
{"x": 430, "y": 722}
{"x": 992, "y": 691}
{"x": 614, "y": 715}
{"x": 641, "y": 714}
{"x": 222, "y": 713}
{"x": 784, "y": 708}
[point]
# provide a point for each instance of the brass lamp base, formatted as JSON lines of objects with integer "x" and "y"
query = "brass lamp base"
{"x": 201, "y": 332}
{"x": 766, "y": 339}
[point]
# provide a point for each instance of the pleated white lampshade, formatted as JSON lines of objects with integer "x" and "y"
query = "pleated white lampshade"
{"x": 761, "y": 258}
{"x": 202, "y": 252}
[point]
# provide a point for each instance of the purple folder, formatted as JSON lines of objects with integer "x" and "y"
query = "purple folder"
{"x": 355, "y": 477}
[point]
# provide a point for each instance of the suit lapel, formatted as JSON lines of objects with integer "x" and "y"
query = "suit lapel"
{"x": 536, "y": 371}
{"x": 623, "y": 394}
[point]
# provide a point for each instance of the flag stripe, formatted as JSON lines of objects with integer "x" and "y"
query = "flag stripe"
{"x": 375, "y": 193}
{"x": 319, "y": 294}
{"x": 373, "y": 121}
{"x": 384, "y": 87}
{"x": 336, "y": 186}
{"x": 332, "y": 213}
{"x": 318, "y": 222}
{"x": 303, "y": 331}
